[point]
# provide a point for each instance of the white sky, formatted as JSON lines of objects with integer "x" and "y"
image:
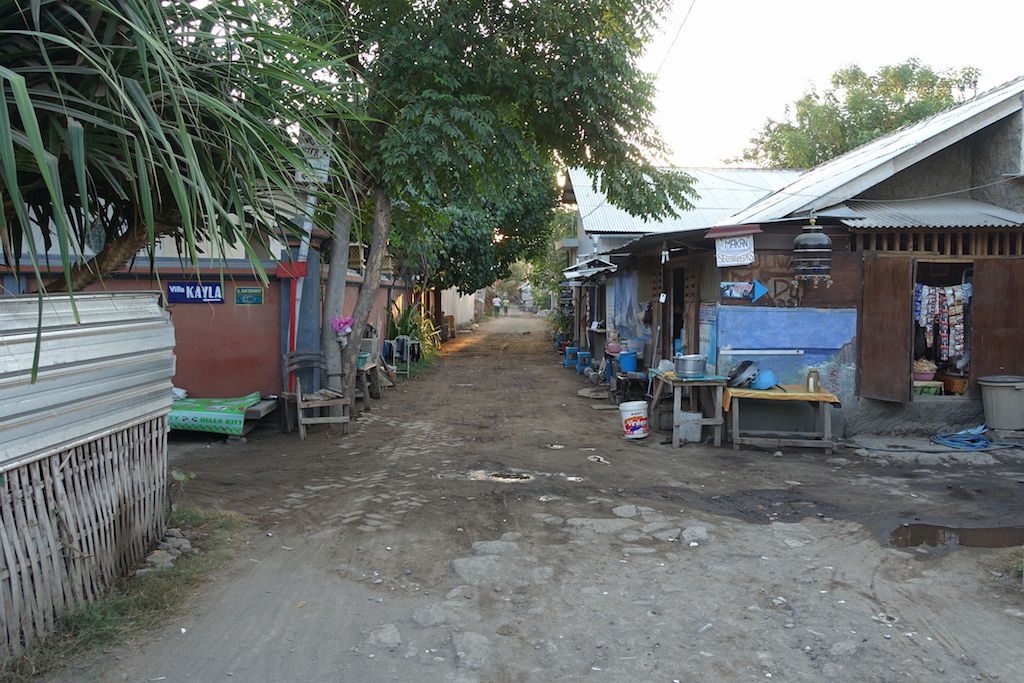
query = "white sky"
{"x": 738, "y": 62}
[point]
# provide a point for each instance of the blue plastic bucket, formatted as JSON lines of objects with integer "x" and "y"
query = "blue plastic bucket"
{"x": 627, "y": 361}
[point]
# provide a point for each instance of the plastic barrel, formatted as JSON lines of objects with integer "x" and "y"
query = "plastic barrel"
{"x": 627, "y": 361}
{"x": 1003, "y": 397}
{"x": 634, "y": 419}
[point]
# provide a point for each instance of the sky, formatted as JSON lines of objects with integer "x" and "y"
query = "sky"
{"x": 737, "y": 62}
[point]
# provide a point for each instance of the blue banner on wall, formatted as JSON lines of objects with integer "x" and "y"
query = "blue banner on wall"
{"x": 195, "y": 293}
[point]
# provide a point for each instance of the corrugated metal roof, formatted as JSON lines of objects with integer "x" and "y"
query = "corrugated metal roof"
{"x": 848, "y": 175}
{"x": 939, "y": 212}
{"x": 111, "y": 370}
{"x": 721, "y": 191}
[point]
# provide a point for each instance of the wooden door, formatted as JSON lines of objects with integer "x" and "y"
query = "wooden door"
{"x": 886, "y": 330}
{"x": 997, "y": 319}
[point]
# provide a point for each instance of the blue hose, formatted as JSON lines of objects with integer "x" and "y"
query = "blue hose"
{"x": 962, "y": 441}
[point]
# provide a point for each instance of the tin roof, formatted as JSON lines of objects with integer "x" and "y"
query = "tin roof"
{"x": 939, "y": 212}
{"x": 721, "y": 191}
{"x": 848, "y": 175}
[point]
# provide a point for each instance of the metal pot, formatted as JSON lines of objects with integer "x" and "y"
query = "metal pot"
{"x": 692, "y": 365}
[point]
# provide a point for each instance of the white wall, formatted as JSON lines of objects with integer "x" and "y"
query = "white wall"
{"x": 459, "y": 305}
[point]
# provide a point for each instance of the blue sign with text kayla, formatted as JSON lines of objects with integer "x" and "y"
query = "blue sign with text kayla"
{"x": 195, "y": 293}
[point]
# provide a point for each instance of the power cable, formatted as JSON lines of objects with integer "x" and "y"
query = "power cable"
{"x": 673, "y": 43}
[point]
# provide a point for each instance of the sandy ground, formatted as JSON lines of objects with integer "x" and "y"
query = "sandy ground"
{"x": 388, "y": 555}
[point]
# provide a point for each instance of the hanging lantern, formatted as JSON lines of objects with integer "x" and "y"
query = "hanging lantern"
{"x": 812, "y": 256}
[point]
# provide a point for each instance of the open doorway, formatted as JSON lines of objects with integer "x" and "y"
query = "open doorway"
{"x": 678, "y": 316}
{"x": 942, "y": 328}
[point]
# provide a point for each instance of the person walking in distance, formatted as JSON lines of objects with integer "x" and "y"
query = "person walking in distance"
{"x": 496, "y": 302}
{"x": 504, "y": 305}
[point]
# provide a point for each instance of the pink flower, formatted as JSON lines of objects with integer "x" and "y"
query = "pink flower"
{"x": 342, "y": 325}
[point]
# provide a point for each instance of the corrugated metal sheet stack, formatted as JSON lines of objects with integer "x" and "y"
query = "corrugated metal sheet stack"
{"x": 83, "y": 451}
{"x": 110, "y": 370}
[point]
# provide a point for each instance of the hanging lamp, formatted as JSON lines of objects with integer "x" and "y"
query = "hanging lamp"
{"x": 812, "y": 256}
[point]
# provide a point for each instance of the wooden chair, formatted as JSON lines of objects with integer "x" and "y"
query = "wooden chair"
{"x": 316, "y": 400}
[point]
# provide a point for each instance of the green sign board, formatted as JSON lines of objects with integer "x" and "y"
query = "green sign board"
{"x": 249, "y": 296}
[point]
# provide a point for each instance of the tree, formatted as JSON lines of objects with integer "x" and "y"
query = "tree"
{"x": 471, "y": 101}
{"x": 548, "y": 267}
{"x": 858, "y": 108}
{"x": 124, "y": 121}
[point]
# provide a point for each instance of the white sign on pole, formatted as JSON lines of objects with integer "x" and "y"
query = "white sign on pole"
{"x": 734, "y": 251}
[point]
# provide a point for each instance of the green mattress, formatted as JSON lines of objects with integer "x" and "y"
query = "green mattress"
{"x": 217, "y": 415}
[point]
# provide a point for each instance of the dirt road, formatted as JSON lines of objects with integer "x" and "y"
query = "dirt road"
{"x": 389, "y": 555}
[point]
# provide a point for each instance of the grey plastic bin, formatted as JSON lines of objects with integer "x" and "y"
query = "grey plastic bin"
{"x": 1003, "y": 396}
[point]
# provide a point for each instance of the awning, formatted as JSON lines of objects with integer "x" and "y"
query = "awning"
{"x": 937, "y": 212}
{"x": 731, "y": 231}
{"x": 588, "y": 269}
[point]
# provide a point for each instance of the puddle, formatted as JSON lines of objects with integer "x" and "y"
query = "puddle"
{"x": 510, "y": 476}
{"x": 505, "y": 477}
{"x": 910, "y": 535}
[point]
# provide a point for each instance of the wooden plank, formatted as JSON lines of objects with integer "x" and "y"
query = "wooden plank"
{"x": 59, "y": 559}
{"x": 27, "y": 532}
{"x": 325, "y": 420}
{"x": 886, "y": 324}
{"x": 63, "y": 509}
{"x": 48, "y": 547}
{"x": 997, "y": 319}
{"x": 261, "y": 409}
{"x": 15, "y": 558}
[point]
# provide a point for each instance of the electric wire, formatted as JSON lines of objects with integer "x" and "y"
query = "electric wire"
{"x": 673, "y": 43}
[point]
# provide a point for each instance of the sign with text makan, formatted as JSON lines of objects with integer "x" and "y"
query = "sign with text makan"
{"x": 734, "y": 251}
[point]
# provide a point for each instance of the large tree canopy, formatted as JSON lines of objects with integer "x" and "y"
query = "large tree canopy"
{"x": 858, "y": 108}
{"x": 479, "y": 100}
{"x": 474, "y": 104}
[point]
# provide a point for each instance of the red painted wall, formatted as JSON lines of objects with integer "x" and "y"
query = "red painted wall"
{"x": 222, "y": 350}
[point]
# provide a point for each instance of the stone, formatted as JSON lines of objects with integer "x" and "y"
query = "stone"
{"x": 553, "y": 520}
{"x": 638, "y": 550}
{"x": 387, "y": 636}
{"x": 844, "y": 648}
{"x": 668, "y": 535}
{"x": 633, "y": 536}
{"x": 657, "y": 526}
{"x": 625, "y": 511}
{"x": 431, "y": 615}
{"x": 511, "y": 536}
{"x": 696, "y": 534}
{"x": 600, "y": 525}
{"x": 158, "y": 557}
{"x": 472, "y": 650}
{"x": 174, "y": 533}
{"x": 177, "y": 542}
{"x": 794, "y": 543}
{"x": 464, "y": 592}
{"x": 495, "y": 547}
{"x": 484, "y": 569}
{"x": 142, "y": 571}
{"x": 168, "y": 548}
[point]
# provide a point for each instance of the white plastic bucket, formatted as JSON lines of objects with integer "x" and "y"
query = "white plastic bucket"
{"x": 634, "y": 419}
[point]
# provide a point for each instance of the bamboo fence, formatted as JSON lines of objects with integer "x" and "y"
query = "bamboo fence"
{"x": 74, "y": 522}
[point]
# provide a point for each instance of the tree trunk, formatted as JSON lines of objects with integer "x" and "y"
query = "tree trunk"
{"x": 114, "y": 255}
{"x": 334, "y": 297}
{"x": 371, "y": 283}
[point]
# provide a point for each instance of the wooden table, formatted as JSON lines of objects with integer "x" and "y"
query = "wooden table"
{"x": 820, "y": 402}
{"x": 367, "y": 378}
{"x": 711, "y": 388}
